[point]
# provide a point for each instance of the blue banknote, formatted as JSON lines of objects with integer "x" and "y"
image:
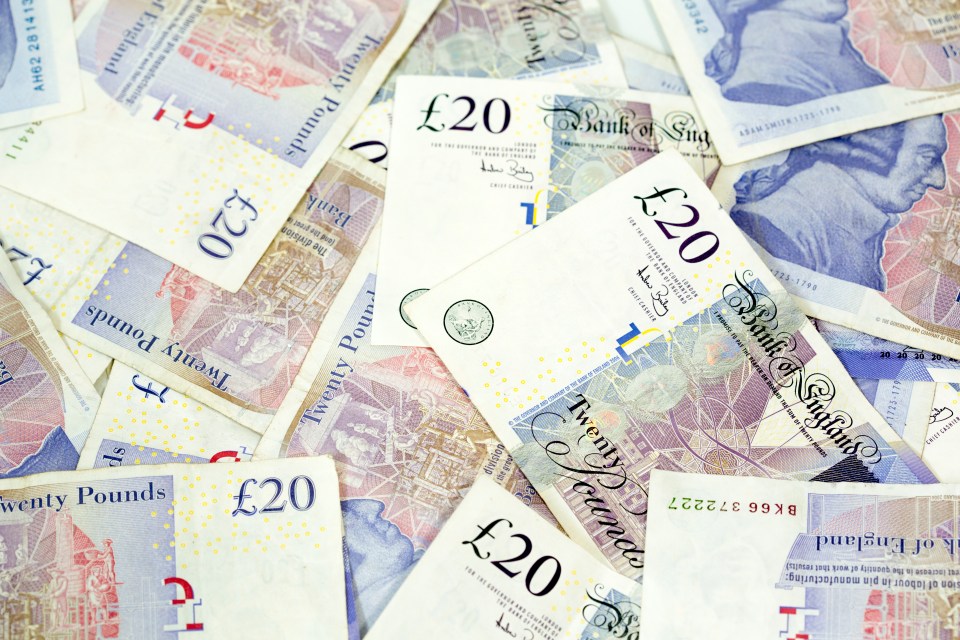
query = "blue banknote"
{"x": 771, "y": 75}
{"x": 876, "y": 248}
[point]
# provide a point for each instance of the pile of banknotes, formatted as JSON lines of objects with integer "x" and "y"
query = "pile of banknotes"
{"x": 469, "y": 319}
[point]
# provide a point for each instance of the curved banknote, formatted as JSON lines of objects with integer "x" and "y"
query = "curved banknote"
{"x": 640, "y": 331}
{"x": 237, "y": 105}
{"x": 39, "y": 73}
{"x": 511, "y": 155}
{"x": 770, "y": 75}
{"x": 151, "y": 553}
{"x": 649, "y": 70}
{"x": 51, "y": 251}
{"x": 47, "y": 404}
{"x": 866, "y": 356}
{"x": 561, "y": 39}
{"x": 141, "y": 421}
{"x": 236, "y": 352}
{"x": 756, "y": 558}
{"x": 877, "y": 249}
{"x": 473, "y": 585}
{"x": 407, "y": 440}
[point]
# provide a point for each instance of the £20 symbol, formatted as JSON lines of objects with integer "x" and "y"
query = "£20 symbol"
{"x": 495, "y": 119}
{"x": 707, "y": 240}
{"x": 215, "y": 244}
{"x": 301, "y": 493}
{"x": 542, "y": 564}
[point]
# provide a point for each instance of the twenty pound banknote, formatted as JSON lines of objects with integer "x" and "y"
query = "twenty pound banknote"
{"x": 234, "y": 106}
{"x": 558, "y": 39}
{"x": 150, "y": 553}
{"x": 656, "y": 339}
{"x": 237, "y": 352}
{"x": 770, "y": 75}
{"x": 47, "y": 404}
{"x": 506, "y": 573}
{"x": 863, "y": 229}
{"x": 756, "y": 558}
{"x": 511, "y": 155}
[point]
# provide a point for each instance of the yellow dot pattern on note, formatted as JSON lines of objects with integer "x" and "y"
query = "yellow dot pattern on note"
{"x": 373, "y": 124}
{"x": 76, "y": 252}
{"x": 133, "y": 414}
{"x": 205, "y": 525}
{"x": 93, "y": 363}
{"x": 533, "y": 388}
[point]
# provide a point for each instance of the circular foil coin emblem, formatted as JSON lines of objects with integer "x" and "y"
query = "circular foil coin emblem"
{"x": 410, "y": 297}
{"x": 468, "y": 322}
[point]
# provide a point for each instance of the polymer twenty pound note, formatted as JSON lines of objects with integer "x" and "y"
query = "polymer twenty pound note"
{"x": 39, "y": 72}
{"x": 238, "y": 352}
{"x": 497, "y": 570}
{"x": 878, "y": 248}
{"x": 752, "y": 558}
{"x": 638, "y": 330}
{"x": 53, "y": 253}
{"x": 141, "y": 421}
{"x": 511, "y": 155}
{"x": 560, "y": 39}
{"x": 407, "y": 441}
{"x": 47, "y": 404}
{"x": 154, "y": 552}
{"x": 773, "y": 75}
{"x": 209, "y": 119}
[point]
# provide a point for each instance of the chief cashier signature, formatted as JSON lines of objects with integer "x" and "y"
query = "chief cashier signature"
{"x": 514, "y": 169}
{"x": 657, "y": 298}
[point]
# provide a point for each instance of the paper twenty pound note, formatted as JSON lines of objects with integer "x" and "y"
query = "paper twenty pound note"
{"x": 237, "y": 105}
{"x": 511, "y": 155}
{"x": 878, "y": 248}
{"x": 756, "y": 558}
{"x": 655, "y": 339}
{"x": 151, "y": 553}
{"x": 236, "y": 352}
{"x": 47, "y": 404}
{"x": 773, "y": 75}
{"x": 407, "y": 441}
{"x": 497, "y": 570}
{"x": 39, "y": 72}
{"x": 141, "y": 421}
